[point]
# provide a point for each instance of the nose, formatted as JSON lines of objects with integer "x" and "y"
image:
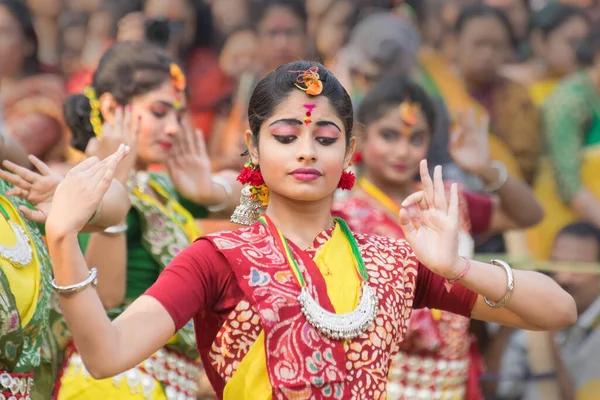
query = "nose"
{"x": 401, "y": 147}
{"x": 306, "y": 149}
{"x": 172, "y": 124}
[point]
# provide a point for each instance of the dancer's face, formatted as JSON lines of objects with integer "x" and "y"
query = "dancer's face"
{"x": 162, "y": 111}
{"x": 392, "y": 150}
{"x": 302, "y": 149}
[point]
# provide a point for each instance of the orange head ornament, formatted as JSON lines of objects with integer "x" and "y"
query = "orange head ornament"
{"x": 310, "y": 80}
{"x": 178, "y": 77}
{"x": 409, "y": 113}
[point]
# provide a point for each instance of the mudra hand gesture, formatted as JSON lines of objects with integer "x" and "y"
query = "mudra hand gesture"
{"x": 36, "y": 187}
{"x": 430, "y": 224}
{"x": 122, "y": 130}
{"x": 189, "y": 166}
{"x": 78, "y": 196}
{"x": 469, "y": 143}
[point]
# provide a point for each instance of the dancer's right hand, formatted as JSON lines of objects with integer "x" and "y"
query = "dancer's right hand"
{"x": 78, "y": 196}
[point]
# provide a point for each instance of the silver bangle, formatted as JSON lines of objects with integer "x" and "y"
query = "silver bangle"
{"x": 91, "y": 280}
{"x": 116, "y": 230}
{"x": 510, "y": 287}
{"x": 228, "y": 193}
{"x": 97, "y": 214}
{"x": 502, "y": 177}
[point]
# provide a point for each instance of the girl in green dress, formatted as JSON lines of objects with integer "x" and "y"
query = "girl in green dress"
{"x": 138, "y": 97}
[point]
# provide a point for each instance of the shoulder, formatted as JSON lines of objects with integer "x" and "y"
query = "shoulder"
{"x": 568, "y": 94}
{"x": 230, "y": 239}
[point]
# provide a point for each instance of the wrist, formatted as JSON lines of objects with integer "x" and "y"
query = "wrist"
{"x": 459, "y": 265}
{"x": 57, "y": 235}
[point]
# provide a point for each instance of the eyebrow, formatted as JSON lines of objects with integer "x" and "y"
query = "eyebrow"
{"x": 289, "y": 121}
{"x": 168, "y": 104}
{"x": 293, "y": 121}
{"x": 328, "y": 123}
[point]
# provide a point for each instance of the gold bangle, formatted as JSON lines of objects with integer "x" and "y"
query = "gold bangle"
{"x": 510, "y": 287}
{"x": 91, "y": 280}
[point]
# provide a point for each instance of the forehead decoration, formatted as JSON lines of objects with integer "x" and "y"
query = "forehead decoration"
{"x": 309, "y": 81}
{"x": 309, "y": 109}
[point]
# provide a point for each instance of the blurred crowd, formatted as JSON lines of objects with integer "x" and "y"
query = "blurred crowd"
{"x": 531, "y": 66}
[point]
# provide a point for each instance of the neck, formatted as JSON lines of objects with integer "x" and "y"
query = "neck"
{"x": 396, "y": 192}
{"x": 300, "y": 222}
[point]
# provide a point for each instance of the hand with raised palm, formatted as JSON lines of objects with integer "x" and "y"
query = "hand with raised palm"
{"x": 469, "y": 145}
{"x": 123, "y": 129}
{"x": 430, "y": 224}
{"x": 36, "y": 187}
{"x": 78, "y": 196}
{"x": 190, "y": 169}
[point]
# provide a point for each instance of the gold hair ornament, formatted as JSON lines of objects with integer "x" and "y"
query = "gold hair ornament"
{"x": 95, "y": 118}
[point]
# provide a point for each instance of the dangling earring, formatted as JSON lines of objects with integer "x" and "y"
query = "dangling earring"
{"x": 254, "y": 197}
{"x": 347, "y": 180}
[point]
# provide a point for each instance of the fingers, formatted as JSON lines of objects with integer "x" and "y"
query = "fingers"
{"x": 33, "y": 215}
{"x": 427, "y": 183}
{"x": 416, "y": 199}
{"x": 108, "y": 172}
{"x": 85, "y": 164}
{"x": 200, "y": 142}
{"x": 17, "y": 192}
{"x": 24, "y": 173}
{"x": 407, "y": 225}
{"x": 453, "y": 207}
{"x": 439, "y": 197}
{"x": 40, "y": 165}
{"x": 15, "y": 180}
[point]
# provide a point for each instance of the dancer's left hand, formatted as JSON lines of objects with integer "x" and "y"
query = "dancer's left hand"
{"x": 430, "y": 224}
{"x": 189, "y": 167}
{"x": 36, "y": 187}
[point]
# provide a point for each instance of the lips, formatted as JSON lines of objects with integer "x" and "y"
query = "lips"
{"x": 166, "y": 146}
{"x": 400, "y": 167}
{"x": 306, "y": 174}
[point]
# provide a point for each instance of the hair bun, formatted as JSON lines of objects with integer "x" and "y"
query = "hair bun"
{"x": 77, "y": 111}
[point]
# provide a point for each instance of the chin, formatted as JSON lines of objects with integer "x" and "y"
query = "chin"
{"x": 308, "y": 193}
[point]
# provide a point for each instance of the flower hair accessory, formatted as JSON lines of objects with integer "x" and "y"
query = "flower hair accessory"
{"x": 347, "y": 180}
{"x": 409, "y": 113}
{"x": 310, "y": 80}
{"x": 178, "y": 77}
{"x": 95, "y": 118}
{"x": 251, "y": 175}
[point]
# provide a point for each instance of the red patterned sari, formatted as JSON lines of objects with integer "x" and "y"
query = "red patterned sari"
{"x": 252, "y": 335}
{"x": 435, "y": 358}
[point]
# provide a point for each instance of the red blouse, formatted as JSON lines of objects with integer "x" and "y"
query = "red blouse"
{"x": 200, "y": 285}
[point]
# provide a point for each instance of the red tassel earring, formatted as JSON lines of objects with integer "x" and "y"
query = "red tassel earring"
{"x": 347, "y": 180}
{"x": 250, "y": 174}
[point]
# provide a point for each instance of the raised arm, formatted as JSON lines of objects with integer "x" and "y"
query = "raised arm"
{"x": 515, "y": 206}
{"x": 106, "y": 348}
{"x": 538, "y": 303}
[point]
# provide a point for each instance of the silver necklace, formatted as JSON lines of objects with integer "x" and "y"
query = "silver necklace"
{"x": 21, "y": 254}
{"x": 341, "y": 326}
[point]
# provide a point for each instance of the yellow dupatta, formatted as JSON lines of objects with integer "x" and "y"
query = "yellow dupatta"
{"x": 457, "y": 99}
{"x": 251, "y": 380}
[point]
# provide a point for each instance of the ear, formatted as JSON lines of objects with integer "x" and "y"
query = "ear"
{"x": 108, "y": 106}
{"x": 350, "y": 152}
{"x": 252, "y": 147}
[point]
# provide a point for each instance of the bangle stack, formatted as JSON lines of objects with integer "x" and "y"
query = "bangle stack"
{"x": 91, "y": 280}
{"x": 510, "y": 287}
{"x": 228, "y": 193}
{"x": 502, "y": 177}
